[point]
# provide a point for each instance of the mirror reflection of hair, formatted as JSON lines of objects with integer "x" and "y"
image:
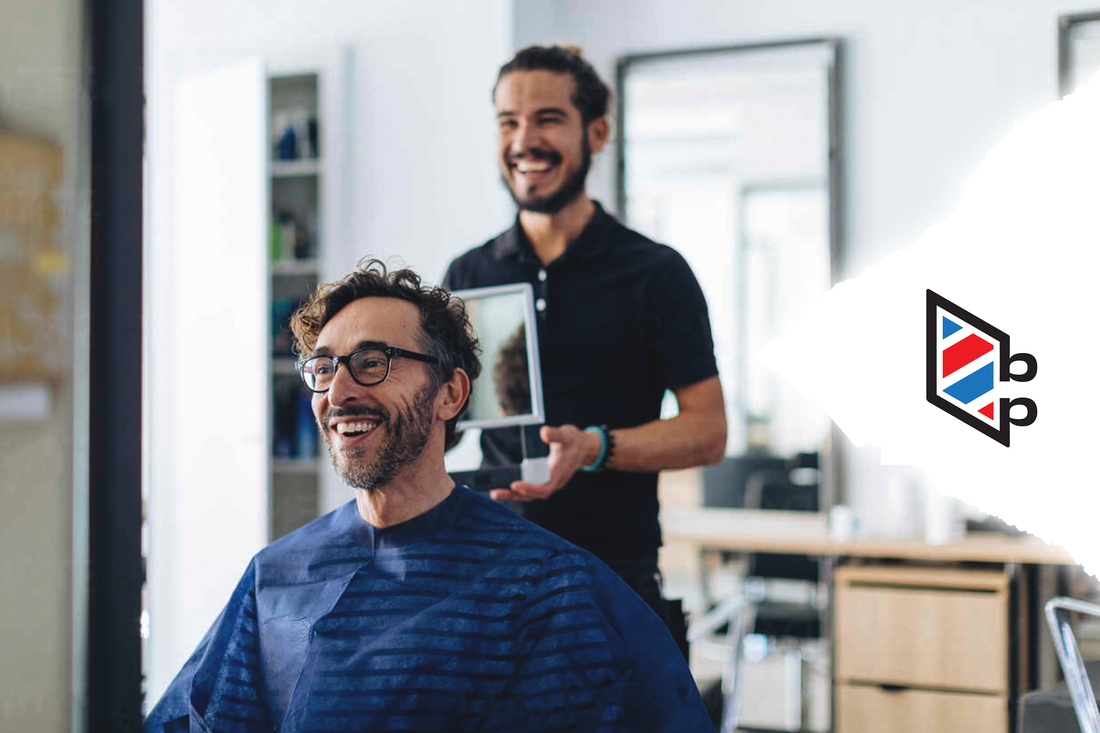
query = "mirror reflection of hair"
{"x": 510, "y": 374}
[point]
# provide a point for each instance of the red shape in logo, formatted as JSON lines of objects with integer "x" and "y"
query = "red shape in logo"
{"x": 970, "y": 348}
{"x": 987, "y": 410}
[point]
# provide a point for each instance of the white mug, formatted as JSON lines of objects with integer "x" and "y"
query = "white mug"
{"x": 842, "y": 523}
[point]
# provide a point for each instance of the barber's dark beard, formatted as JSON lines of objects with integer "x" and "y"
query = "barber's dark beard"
{"x": 406, "y": 436}
{"x": 569, "y": 191}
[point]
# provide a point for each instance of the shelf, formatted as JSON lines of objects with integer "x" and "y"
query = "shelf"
{"x": 295, "y": 267}
{"x": 283, "y": 365}
{"x": 291, "y": 168}
{"x": 295, "y": 465}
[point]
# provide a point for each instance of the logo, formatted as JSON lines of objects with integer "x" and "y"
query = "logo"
{"x": 967, "y": 359}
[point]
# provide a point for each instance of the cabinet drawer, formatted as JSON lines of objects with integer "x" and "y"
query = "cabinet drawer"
{"x": 922, "y": 635}
{"x": 869, "y": 709}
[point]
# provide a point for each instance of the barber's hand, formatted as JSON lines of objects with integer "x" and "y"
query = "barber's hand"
{"x": 570, "y": 448}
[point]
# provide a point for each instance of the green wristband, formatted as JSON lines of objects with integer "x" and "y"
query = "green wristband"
{"x": 597, "y": 464}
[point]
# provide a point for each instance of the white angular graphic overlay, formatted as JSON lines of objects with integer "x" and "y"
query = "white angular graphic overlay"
{"x": 1022, "y": 252}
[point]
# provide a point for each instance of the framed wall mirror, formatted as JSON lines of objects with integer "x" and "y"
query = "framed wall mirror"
{"x": 731, "y": 155}
{"x": 1078, "y": 50}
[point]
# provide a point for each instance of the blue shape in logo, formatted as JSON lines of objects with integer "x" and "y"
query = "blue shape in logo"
{"x": 949, "y": 327}
{"x": 973, "y": 386}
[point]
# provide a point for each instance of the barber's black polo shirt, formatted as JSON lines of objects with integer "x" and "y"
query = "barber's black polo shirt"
{"x": 620, "y": 320}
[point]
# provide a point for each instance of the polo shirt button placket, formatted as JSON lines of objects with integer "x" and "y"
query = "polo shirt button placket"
{"x": 540, "y": 293}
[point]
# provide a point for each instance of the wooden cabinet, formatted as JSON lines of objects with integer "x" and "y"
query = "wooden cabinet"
{"x": 921, "y": 649}
{"x": 874, "y": 709}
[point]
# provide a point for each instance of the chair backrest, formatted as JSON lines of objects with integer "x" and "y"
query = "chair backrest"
{"x": 1058, "y": 612}
{"x": 724, "y": 484}
{"x": 776, "y": 491}
{"x": 760, "y": 480}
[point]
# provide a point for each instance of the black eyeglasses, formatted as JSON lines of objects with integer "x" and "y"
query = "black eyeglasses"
{"x": 367, "y": 367}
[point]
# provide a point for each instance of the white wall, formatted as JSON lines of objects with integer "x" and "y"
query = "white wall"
{"x": 424, "y": 172}
{"x": 41, "y": 95}
{"x": 927, "y": 87}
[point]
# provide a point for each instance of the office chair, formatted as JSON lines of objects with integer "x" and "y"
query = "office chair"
{"x": 1069, "y": 657}
{"x": 768, "y": 484}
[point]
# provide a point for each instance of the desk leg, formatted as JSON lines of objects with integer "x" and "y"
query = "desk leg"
{"x": 1033, "y": 663}
{"x": 1049, "y": 582}
{"x": 1032, "y": 625}
{"x": 828, "y": 564}
{"x": 1018, "y": 636}
{"x": 704, "y": 580}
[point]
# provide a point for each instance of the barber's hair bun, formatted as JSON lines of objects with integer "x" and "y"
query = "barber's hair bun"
{"x": 590, "y": 95}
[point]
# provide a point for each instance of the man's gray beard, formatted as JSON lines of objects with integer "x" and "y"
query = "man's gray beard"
{"x": 406, "y": 437}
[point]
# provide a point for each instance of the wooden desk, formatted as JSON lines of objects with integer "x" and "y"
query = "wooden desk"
{"x": 965, "y": 619}
{"x": 807, "y": 533}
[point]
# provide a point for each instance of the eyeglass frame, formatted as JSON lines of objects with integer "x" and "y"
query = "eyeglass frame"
{"x": 389, "y": 351}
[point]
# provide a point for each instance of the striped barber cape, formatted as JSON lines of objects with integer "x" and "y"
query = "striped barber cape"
{"x": 465, "y": 618}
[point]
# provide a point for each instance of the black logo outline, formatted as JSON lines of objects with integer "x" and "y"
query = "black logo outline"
{"x": 1005, "y": 357}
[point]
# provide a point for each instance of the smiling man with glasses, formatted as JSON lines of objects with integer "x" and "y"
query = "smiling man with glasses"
{"x": 367, "y": 459}
{"x": 420, "y": 605}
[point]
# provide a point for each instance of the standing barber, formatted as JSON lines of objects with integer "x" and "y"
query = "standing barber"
{"x": 621, "y": 319}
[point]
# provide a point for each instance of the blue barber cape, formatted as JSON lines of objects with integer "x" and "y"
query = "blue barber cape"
{"x": 465, "y": 618}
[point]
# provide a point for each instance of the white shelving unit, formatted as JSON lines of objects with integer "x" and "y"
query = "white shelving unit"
{"x": 296, "y": 465}
{"x": 293, "y": 168}
{"x": 283, "y": 365}
{"x": 295, "y": 267}
{"x": 307, "y": 120}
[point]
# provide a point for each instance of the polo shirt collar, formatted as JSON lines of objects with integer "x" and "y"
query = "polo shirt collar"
{"x": 593, "y": 239}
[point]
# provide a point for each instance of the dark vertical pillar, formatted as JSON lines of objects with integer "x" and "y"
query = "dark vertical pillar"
{"x": 114, "y": 450}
